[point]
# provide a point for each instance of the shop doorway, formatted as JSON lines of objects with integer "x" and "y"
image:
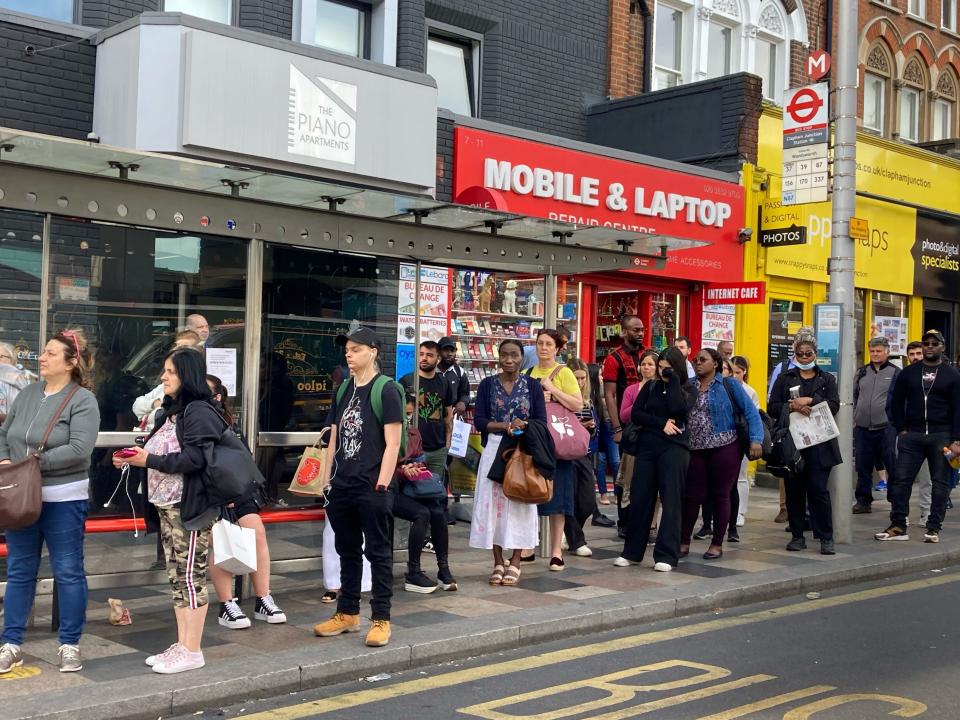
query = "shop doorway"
{"x": 941, "y": 315}
{"x": 786, "y": 319}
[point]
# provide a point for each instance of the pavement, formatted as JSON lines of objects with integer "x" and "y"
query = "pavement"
{"x": 589, "y": 595}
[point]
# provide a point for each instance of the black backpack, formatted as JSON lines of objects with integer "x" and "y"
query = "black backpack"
{"x": 783, "y": 458}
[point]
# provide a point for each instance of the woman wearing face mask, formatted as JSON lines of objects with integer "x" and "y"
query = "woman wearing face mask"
{"x": 715, "y": 451}
{"x": 813, "y": 386}
{"x": 660, "y": 412}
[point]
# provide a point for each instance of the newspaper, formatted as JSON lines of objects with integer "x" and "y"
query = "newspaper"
{"x": 813, "y": 429}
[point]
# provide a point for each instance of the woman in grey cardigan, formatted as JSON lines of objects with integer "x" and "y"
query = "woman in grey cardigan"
{"x": 65, "y": 468}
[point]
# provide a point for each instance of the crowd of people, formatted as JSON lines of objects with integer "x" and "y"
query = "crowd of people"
{"x": 676, "y": 435}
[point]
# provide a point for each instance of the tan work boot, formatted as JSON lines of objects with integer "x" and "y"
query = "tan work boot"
{"x": 338, "y": 624}
{"x": 379, "y": 634}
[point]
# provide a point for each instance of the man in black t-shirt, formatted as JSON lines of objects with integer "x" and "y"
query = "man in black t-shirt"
{"x": 435, "y": 403}
{"x": 454, "y": 374}
{"x": 359, "y": 471}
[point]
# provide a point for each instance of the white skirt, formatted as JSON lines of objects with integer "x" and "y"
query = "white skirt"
{"x": 497, "y": 520}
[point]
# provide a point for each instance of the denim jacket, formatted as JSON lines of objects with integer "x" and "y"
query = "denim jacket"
{"x": 721, "y": 411}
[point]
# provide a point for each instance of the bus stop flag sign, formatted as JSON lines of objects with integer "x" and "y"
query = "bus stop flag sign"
{"x": 806, "y": 127}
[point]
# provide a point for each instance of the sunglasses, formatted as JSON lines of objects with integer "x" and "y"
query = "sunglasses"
{"x": 805, "y": 354}
{"x": 700, "y": 360}
{"x": 932, "y": 343}
{"x": 73, "y": 336}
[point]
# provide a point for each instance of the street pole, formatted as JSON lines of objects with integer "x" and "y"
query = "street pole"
{"x": 842, "y": 254}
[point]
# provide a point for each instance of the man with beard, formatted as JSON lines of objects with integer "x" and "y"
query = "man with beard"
{"x": 434, "y": 408}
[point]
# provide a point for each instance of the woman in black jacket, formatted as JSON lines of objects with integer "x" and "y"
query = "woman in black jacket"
{"x": 174, "y": 457}
{"x": 662, "y": 455}
{"x": 810, "y": 484}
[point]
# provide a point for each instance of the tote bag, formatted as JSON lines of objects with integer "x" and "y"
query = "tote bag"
{"x": 460, "y": 438}
{"x": 570, "y": 438}
{"x": 234, "y": 548}
{"x": 521, "y": 480}
{"x": 307, "y": 480}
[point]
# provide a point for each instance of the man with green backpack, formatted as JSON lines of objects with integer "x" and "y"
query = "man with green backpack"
{"x": 367, "y": 435}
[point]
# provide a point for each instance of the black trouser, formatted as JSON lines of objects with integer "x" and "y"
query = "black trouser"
{"x": 912, "y": 449}
{"x": 810, "y": 486}
{"x": 362, "y": 518}
{"x": 424, "y": 516}
{"x": 710, "y": 515}
{"x": 660, "y": 466}
{"x": 869, "y": 448}
{"x": 584, "y": 501}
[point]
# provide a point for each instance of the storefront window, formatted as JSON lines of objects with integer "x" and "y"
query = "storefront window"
{"x": 665, "y": 316}
{"x": 891, "y": 315}
{"x": 568, "y": 316}
{"x": 21, "y": 246}
{"x": 612, "y": 306}
{"x": 786, "y": 319}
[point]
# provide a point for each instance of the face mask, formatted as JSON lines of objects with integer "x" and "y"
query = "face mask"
{"x": 807, "y": 366}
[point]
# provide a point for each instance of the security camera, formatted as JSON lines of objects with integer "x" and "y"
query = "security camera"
{"x": 93, "y": 137}
{"x": 744, "y": 235}
{"x": 29, "y": 50}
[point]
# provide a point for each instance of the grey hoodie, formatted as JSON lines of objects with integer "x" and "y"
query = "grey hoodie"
{"x": 66, "y": 457}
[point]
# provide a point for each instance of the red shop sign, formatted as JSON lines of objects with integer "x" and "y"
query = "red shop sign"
{"x": 746, "y": 293}
{"x": 506, "y": 173}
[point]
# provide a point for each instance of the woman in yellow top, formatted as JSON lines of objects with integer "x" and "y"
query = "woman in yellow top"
{"x": 560, "y": 386}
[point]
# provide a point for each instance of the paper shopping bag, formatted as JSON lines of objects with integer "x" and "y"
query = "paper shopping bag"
{"x": 307, "y": 479}
{"x": 234, "y": 548}
{"x": 460, "y": 438}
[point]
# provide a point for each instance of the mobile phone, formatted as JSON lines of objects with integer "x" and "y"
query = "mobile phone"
{"x": 125, "y": 453}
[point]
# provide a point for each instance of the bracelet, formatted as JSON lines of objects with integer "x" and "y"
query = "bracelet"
{"x": 617, "y": 429}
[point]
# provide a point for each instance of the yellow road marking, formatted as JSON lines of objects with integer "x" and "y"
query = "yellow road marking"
{"x": 768, "y": 703}
{"x": 905, "y": 707}
{"x": 21, "y": 673}
{"x": 456, "y": 677}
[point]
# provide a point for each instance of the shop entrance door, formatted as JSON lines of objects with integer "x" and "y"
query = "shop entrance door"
{"x": 941, "y": 315}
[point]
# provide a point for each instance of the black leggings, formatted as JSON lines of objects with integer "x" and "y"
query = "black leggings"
{"x": 425, "y": 517}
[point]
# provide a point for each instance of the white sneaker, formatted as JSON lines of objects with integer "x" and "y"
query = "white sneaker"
{"x": 663, "y": 567}
{"x": 583, "y": 551}
{"x": 10, "y": 657}
{"x": 741, "y": 520}
{"x": 623, "y": 562}
{"x": 563, "y": 544}
{"x": 231, "y": 616}
{"x": 181, "y": 661}
{"x": 154, "y": 659}
{"x": 70, "y": 660}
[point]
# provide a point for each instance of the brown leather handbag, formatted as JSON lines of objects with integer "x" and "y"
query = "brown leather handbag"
{"x": 521, "y": 480}
{"x": 21, "y": 486}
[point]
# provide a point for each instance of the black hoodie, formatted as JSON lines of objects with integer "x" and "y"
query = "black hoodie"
{"x": 938, "y": 412}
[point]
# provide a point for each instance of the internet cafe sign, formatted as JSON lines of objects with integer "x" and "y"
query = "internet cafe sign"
{"x": 546, "y": 181}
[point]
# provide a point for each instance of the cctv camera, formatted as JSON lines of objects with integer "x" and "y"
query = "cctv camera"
{"x": 744, "y": 235}
{"x": 93, "y": 137}
{"x": 29, "y": 50}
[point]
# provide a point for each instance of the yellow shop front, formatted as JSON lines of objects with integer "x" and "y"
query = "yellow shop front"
{"x": 907, "y": 265}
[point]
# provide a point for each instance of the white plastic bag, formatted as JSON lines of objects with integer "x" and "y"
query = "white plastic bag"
{"x": 234, "y": 548}
{"x": 460, "y": 438}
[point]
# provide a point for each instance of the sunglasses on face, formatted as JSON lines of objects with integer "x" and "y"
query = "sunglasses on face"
{"x": 804, "y": 354}
{"x": 701, "y": 360}
{"x": 931, "y": 343}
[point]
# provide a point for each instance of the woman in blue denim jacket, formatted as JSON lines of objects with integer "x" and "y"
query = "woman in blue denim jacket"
{"x": 715, "y": 451}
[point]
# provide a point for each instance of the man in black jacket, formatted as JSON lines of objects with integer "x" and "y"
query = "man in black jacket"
{"x": 925, "y": 411}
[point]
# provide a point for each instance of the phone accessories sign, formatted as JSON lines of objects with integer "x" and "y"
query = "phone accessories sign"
{"x": 322, "y": 119}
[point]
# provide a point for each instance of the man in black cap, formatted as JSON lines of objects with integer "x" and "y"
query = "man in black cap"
{"x": 366, "y": 422}
{"x": 454, "y": 374}
{"x": 925, "y": 411}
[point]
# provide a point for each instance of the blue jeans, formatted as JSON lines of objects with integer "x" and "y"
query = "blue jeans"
{"x": 61, "y": 527}
{"x": 608, "y": 455}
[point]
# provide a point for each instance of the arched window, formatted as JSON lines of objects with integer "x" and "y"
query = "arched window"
{"x": 770, "y": 58}
{"x": 944, "y": 108}
{"x": 912, "y": 88}
{"x": 876, "y": 89}
{"x": 722, "y": 30}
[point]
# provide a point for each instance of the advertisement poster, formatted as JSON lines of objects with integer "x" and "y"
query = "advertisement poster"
{"x": 894, "y": 329}
{"x": 718, "y": 324}
{"x": 434, "y": 304}
{"x": 827, "y": 320}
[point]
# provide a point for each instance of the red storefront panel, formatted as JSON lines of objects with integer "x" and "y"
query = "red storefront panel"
{"x": 551, "y": 182}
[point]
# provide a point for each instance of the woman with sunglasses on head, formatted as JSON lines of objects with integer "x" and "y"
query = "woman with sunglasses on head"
{"x": 246, "y": 514}
{"x": 811, "y": 386}
{"x": 660, "y": 466}
{"x": 715, "y": 450}
{"x": 63, "y": 403}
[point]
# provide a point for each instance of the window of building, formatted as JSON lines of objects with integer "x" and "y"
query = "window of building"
{"x": 343, "y": 27}
{"x": 719, "y": 50}
{"x": 911, "y": 106}
{"x": 669, "y": 47}
{"x": 765, "y": 65}
{"x": 62, "y": 10}
{"x": 949, "y": 19}
{"x": 450, "y": 62}
{"x": 220, "y": 11}
{"x": 917, "y": 7}
{"x": 874, "y": 102}
{"x": 944, "y": 107}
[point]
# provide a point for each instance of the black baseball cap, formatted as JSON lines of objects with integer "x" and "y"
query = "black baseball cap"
{"x": 361, "y": 336}
{"x": 447, "y": 342}
{"x": 934, "y": 334}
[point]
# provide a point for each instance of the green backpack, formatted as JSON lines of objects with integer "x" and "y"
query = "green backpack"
{"x": 376, "y": 400}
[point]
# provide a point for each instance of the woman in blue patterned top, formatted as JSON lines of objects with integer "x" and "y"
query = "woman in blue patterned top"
{"x": 505, "y": 402}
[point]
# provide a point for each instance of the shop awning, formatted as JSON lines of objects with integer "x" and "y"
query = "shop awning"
{"x": 44, "y": 173}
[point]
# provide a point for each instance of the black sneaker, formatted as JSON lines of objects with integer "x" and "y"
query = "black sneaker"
{"x": 621, "y": 532}
{"x": 231, "y": 616}
{"x": 862, "y": 509}
{"x": 797, "y": 544}
{"x": 446, "y": 580}
{"x": 826, "y": 547}
{"x": 733, "y": 535}
{"x": 704, "y": 532}
{"x": 266, "y": 609}
{"x": 418, "y": 582}
{"x": 601, "y": 520}
{"x": 931, "y": 536}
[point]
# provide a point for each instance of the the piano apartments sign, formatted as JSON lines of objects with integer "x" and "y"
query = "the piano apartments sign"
{"x": 323, "y": 118}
